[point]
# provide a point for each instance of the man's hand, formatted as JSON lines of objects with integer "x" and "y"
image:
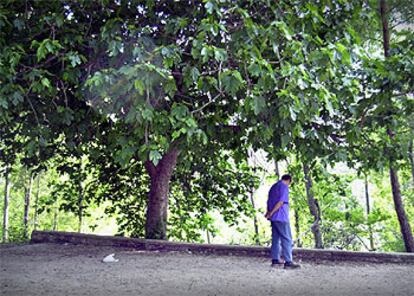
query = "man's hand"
{"x": 269, "y": 214}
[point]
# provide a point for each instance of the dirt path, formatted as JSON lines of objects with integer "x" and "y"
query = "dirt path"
{"x": 48, "y": 269}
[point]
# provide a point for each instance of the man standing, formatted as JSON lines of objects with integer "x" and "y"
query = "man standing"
{"x": 278, "y": 214}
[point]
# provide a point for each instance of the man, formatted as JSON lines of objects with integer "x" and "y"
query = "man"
{"x": 278, "y": 214}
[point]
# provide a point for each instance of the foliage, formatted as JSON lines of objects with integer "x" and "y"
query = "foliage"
{"x": 93, "y": 91}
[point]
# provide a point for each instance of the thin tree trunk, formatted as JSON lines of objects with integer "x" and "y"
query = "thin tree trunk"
{"x": 55, "y": 218}
{"x": 277, "y": 172}
{"x": 395, "y": 184}
{"x": 287, "y": 162}
{"x": 313, "y": 207}
{"x": 80, "y": 211}
{"x": 208, "y": 236}
{"x": 36, "y": 216}
{"x": 27, "y": 195}
{"x": 255, "y": 222}
{"x": 252, "y": 192}
{"x": 371, "y": 238}
{"x": 180, "y": 236}
{"x": 6, "y": 207}
{"x": 411, "y": 158}
{"x": 401, "y": 214}
{"x": 157, "y": 209}
{"x": 297, "y": 228}
{"x": 385, "y": 28}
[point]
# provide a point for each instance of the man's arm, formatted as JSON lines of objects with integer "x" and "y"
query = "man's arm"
{"x": 283, "y": 199}
{"x": 274, "y": 210}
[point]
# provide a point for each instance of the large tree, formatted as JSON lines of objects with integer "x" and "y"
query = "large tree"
{"x": 296, "y": 68}
{"x": 389, "y": 92}
{"x": 379, "y": 124}
{"x": 153, "y": 77}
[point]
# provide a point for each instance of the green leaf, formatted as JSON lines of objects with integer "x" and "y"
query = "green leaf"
{"x": 346, "y": 57}
{"x": 259, "y": 104}
{"x": 254, "y": 70}
{"x": 194, "y": 74}
{"x": 232, "y": 81}
{"x": 114, "y": 48}
{"x": 41, "y": 53}
{"x": 46, "y": 82}
{"x": 45, "y": 47}
{"x": 74, "y": 59}
{"x": 179, "y": 111}
{"x": 17, "y": 98}
{"x": 139, "y": 86}
{"x": 285, "y": 140}
{"x": 176, "y": 134}
{"x": 209, "y": 7}
{"x": 155, "y": 157}
{"x": 285, "y": 30}
{"x": 170, "y": 87}
{"x": 3, "y": 103}
{"x": 147, "y": 114}
{"x": 292, "y": 114}
{"x": 238, "y": 76}
{"x": 191, "y": 122}
{"x": 205, "y": 53}
{"x": 220, "y": 55}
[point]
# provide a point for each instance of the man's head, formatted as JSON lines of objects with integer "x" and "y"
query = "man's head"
{"x": 287, "y": 179}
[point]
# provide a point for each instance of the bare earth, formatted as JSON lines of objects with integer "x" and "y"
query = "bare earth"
{"x": 49, "y": 269}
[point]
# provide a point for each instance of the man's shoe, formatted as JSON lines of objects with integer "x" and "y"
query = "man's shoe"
{"x": 277, "y": 263}
{"x": 291, "y": 265}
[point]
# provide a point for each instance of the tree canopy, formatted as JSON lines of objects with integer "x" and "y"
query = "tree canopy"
{"x": 153, "y": 105}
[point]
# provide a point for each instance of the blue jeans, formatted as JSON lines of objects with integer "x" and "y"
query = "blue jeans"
{"x": 281, "y": 235}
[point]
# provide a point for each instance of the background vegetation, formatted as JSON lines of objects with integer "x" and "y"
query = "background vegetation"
{"x": 171, "y": 119}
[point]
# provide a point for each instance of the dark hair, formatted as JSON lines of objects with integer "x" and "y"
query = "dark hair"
{"x": 287, "y": 178}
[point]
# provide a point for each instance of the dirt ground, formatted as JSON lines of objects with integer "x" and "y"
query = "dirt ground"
{"x": 49, "y": 269}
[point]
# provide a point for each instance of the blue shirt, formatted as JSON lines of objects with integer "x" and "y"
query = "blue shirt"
{"x": 279, "y": 192}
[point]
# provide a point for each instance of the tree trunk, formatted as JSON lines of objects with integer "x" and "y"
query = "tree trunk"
{"x": 80, "y": 211}
{"x": 252, "y": 201}
{"x": 36, "y": 216}
{"x": 395, "y": 184}
{"x": 313, "y": 207}
{"x": 385, "y": 28}
{"x": 399, "y": 208}
{"x": 55, "y": 218}
{"x": 411, "y": 158}
{"x": 255, "y": 222}
{"x": 371, "y": 238}
{"x": 297, "y": 228}
{"x": 208, "y": 236}
{"x": 6, "y": 206}
{"x": 27, "y": 194}
{"x": 157, "y": 209}
{"x": 277, "y": 172}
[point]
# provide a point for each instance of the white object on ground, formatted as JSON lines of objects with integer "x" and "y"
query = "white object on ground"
{"x": 110, "y": 258}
